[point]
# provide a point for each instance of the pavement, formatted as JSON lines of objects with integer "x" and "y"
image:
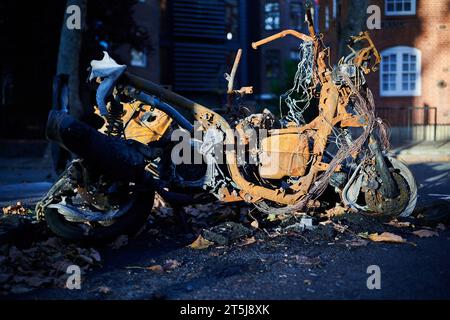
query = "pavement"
{"x": 284, "y": 268}
{"x": 423, "y": 152}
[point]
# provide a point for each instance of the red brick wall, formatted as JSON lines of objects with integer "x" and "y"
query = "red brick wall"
{"x": 428, "y": 31}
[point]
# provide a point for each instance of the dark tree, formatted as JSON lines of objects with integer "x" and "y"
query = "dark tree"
{"x": 106, "y": 25}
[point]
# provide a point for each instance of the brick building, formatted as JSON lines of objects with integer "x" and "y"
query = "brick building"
{"x": 412, "y": 88}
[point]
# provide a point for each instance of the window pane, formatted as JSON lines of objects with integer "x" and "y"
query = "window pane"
{"x": 405, "y": 77}
{"x": 385, "y": 87}
{"x": 399, "y": 6}
{"x": 405, "y": 86}
{"x": 405, "y": 67}
{"x": 413, "y": 86}
{"x": 385, "y": 59}
{"x": 390, "y": 7}
{"x": 412, "y": 77}
{"x": 405, "y": 57}
{"x": 407, "y": 6}
{"x": 392, "y": 87}
{"x": 413, "y": 58}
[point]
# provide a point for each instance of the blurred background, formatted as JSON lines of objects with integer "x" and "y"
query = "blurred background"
{"x": 188, "y": 45}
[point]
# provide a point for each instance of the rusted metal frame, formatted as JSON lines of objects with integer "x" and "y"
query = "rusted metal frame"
{"x": 237, "y": 60}
{"x": 364, "y": 54}
{"x": 249, "y": 191}
{"x": 281, "y": 34}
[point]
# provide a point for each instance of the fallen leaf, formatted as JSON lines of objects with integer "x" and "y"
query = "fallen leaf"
{"x": 424, "y": 233}
{"x": 357, "y": 243}
{"x": 271, "y": 217}
{"x": 171, "y": 264}
{"x": 16, "y": 209}
{"x": 386, "y": 237}
{"x": 398, "y": 224}
{"x": 248, "y": 241}
{"x": 155, "y": 268}
{"x": 336, "y": 211}
{"x": 104, "y": 290}
{"x": 255, "y": 224}
{"x": 200, "y": 243}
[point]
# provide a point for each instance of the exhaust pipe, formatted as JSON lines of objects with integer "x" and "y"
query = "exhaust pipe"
{"x": 113, "y": 157}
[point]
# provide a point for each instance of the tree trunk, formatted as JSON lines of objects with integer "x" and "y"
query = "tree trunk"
{"x": 69, "y": 56}
{"x": 353, "y": 23}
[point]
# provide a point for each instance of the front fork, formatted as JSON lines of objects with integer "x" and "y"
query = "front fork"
{"x": 388, "y": 188}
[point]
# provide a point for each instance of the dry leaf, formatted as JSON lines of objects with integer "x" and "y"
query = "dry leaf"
{"x": 255, "y": 224}
{"x": 17, "y": 209}
{"x": 398, "y": 224}
{"x": 156, "y": 268}
{"x": 248, "y": 241}
{"x": 171, "y": 264}
{"x": 104, "y": 290}
{"x": 386, "y": 237}
{"x": 357, "y": 243}
{"x": 200, "y": 243}
{"x": 336, "y": 211}
{"x": 424, "y": 233}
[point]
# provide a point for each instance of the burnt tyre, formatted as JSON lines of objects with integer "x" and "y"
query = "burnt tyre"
{"x": 95, "y": 215}
{"x": 358, "y": 194}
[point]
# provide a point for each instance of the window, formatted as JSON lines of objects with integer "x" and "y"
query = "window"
{"x": 400, "y": 72}
{"x": 273, "y": 62}
{"x": 138, "y": 58}
{"x": 400, "y": 7}
{"x": 272, "y": 15}
{"x": 297, "y": 15}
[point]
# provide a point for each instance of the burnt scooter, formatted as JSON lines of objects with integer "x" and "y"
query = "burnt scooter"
{"x": 285, "y": 165}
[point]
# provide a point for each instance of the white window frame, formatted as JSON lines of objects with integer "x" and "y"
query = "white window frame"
{"x": 399, "y": 51}
{"x": 400, "y": 13}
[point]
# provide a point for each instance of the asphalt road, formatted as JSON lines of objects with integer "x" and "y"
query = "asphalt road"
{"x": 286, "y": 267}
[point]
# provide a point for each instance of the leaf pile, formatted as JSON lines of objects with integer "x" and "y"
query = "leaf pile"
{"x": 17, "y": 209}
{"x": 42, "y": 265}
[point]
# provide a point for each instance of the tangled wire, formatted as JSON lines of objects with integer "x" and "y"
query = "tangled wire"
{"x": 299, "y": 97}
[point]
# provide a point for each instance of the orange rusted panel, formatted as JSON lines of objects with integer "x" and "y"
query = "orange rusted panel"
{"x": 284, "y": 155}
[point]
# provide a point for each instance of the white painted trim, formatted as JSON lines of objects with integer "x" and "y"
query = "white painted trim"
{"x": 399, "y": 51}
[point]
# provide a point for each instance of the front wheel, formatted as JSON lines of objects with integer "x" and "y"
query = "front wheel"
{"x": 74, "y": 214}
